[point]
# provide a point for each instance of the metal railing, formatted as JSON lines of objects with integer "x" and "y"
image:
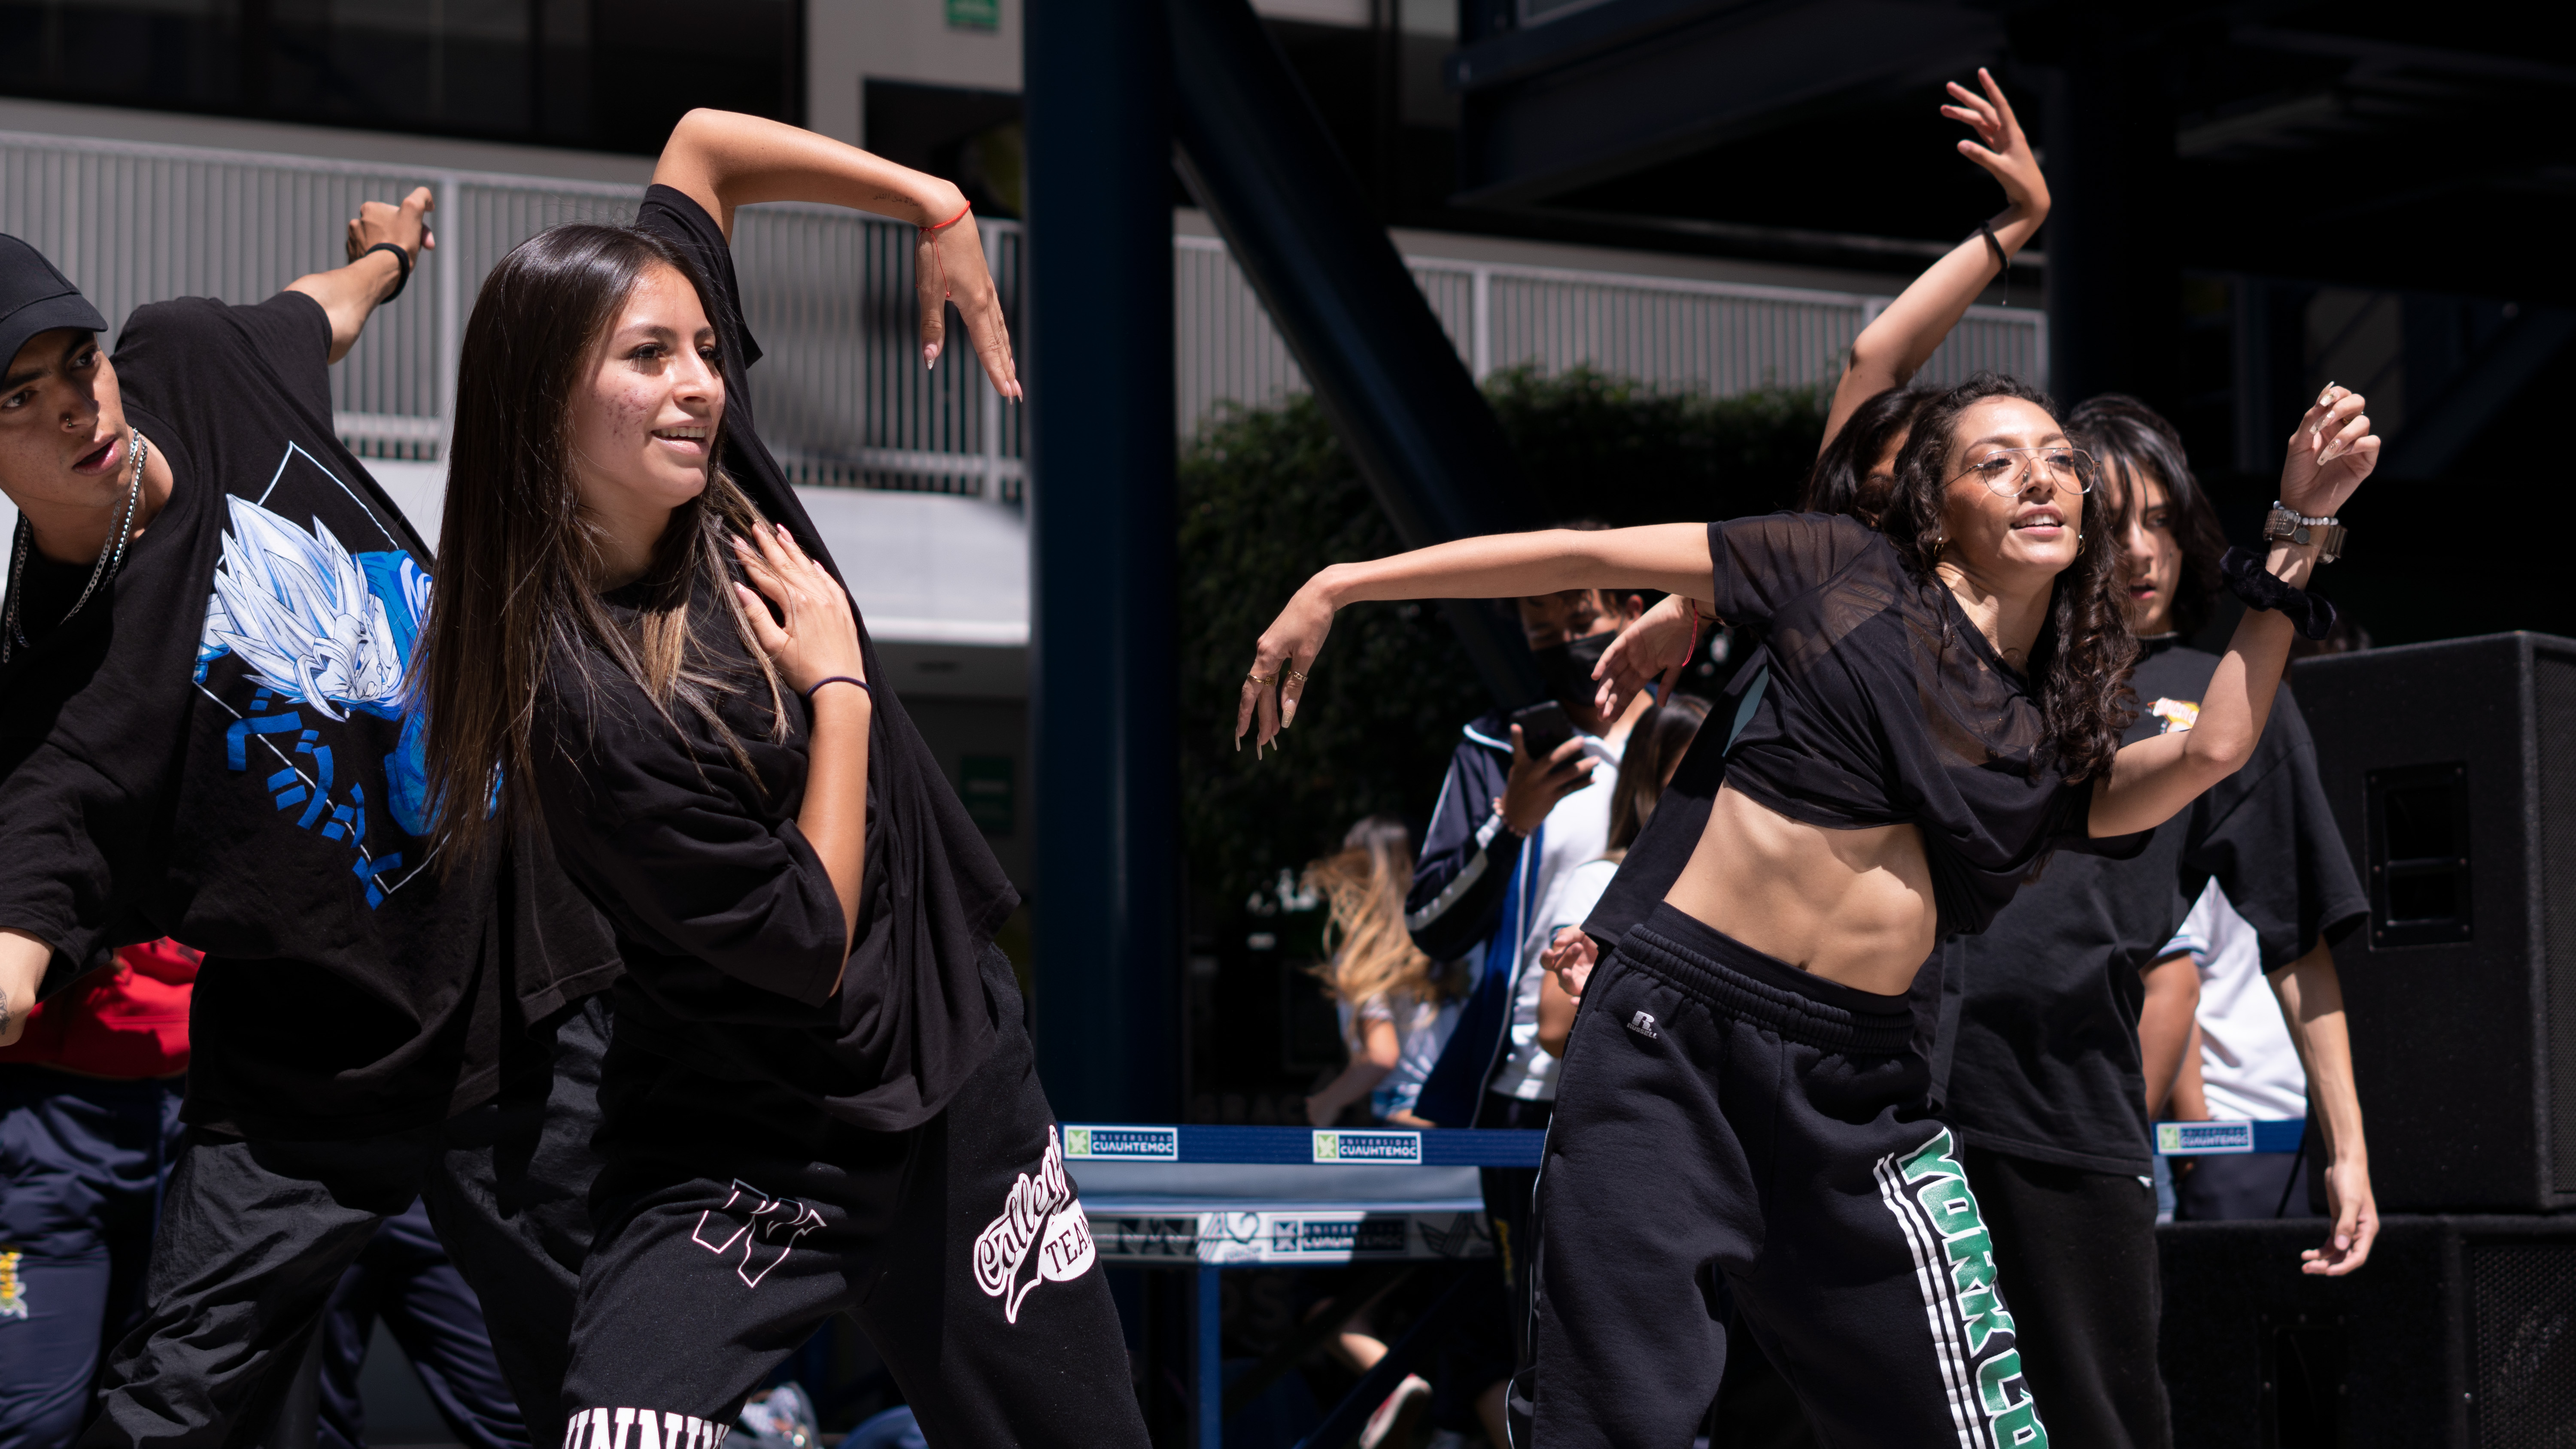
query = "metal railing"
{"x": 829, "y": 294}
{"x": 1700, "y": 336}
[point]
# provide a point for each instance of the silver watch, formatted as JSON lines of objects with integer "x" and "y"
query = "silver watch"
{"x": 2290, "y": 524}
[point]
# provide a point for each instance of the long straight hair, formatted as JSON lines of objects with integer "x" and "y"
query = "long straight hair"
{"x": 517, "y": 607}
{"x": 2079, "y": 666}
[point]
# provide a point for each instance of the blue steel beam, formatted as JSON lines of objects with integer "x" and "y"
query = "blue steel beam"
{"x": 1430, "y": 448}
{"x": 1103, "y": 683}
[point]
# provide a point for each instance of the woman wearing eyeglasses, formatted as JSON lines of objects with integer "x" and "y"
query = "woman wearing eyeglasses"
{"x": 1939, "y": 709}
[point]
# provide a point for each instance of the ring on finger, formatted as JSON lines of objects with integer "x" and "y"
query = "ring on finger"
{"x": 1260, "y": 679}
{"x": 1295, "y": 677}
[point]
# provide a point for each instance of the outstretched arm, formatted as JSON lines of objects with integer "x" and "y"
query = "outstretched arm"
{"x": 1897, "y": 342}
{"x": 351, "y": 294}
{"x": 1669, "y": 556}
{"x": 2151, "y": 781}
{"x": 723, "y": 160}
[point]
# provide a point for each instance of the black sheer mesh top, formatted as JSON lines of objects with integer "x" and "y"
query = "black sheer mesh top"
{"x": 1884, "y": 705}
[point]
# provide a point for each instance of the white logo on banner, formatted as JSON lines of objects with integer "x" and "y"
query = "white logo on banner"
{"x": 1041, "y": 1219}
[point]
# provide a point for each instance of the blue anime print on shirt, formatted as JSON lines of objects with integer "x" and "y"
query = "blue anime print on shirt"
{"x": 322, "y": 636}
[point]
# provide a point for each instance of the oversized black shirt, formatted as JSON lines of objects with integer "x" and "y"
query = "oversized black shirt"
{"x": 2038, "y": 1051}
{"x": 728, "y": 924}
{"x": 1873, "y": 700}
{"x": 220, "y": 749}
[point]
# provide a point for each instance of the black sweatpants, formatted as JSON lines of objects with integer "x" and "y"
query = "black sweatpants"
{"x": 255, "y": 1235}
{"x": 2079, "y": 1249}
{"x": 738, "y": 1216}
{"x": 1727, "y": 1124}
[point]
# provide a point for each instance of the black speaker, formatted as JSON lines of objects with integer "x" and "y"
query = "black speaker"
{"x": 2459, "y": 1333}
{"x": 2452, "y": 769}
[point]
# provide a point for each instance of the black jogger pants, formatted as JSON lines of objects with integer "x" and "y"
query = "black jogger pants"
{"x": 255, "y": 1235}
{"x": 1727, "y": 1124}
{"x": 736, "y": 1217}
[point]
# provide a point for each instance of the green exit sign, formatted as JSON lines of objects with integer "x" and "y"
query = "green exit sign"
{"x": 985, "y": 781}
{"x": 974, "y": 14}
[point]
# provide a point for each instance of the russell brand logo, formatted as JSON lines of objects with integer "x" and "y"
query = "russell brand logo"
{"x": 1039, "y": 1220}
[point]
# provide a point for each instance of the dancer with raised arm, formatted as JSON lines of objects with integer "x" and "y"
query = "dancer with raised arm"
{"x": 821, "y": 1097}
{"x": 1941, "y": 709}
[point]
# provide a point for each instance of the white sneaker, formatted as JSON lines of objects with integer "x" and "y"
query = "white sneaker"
{"x": 1394, "y": 1420}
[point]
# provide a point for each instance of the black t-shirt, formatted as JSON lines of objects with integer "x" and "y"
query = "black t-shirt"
{"x": 729, "y": 925}
{"x": 46, "y": 592}
{"x": 726, "y": 919}
{"x": 220, "y": 749}
{"x": 1872, "y": 700}
{"x": 2038, "y": 1054}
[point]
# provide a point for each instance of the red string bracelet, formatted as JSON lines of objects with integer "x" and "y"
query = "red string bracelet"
{"x": 940, "y": 269}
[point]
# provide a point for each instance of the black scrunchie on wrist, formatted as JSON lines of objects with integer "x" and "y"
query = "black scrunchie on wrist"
{"x": 2261, "y": 588}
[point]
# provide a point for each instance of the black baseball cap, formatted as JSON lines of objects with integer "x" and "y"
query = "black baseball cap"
{"x": 36, "y": 297}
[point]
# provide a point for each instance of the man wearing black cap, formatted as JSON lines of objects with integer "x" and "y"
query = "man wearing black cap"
{"x": 205, "y": 733}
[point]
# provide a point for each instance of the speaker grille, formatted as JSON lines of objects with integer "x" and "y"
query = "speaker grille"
{"x": 2522, "y": 1298}
{"x": 2554, "y": 684}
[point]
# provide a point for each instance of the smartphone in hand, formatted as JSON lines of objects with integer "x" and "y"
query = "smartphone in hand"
{"x": 1544, "y": 727}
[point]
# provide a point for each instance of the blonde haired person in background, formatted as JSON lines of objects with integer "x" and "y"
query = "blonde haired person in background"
{"x": 1397, "y": 1005}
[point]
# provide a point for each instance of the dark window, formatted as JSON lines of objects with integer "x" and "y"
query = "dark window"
{"x": 601, "y": 74}
{"x": 970, "y": 137}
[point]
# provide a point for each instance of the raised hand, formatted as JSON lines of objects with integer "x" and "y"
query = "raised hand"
{"x": 1286, "y": 650}
{"x": 948, "y": 266}
{"x": 405, "y": 225}
{"x": 1660, "y": 642}
{"x": 814, "y": 636}
{"x": 1537, "y": 782}
{"x": 2330, "y": 452}
{"x": 2000, "y": 146}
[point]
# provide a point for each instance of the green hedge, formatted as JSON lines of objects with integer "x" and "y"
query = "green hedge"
{"x": 1267, "y": 496}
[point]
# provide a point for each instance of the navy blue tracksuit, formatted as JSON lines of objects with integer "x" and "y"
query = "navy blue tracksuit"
{"x": 82, "y": 1161}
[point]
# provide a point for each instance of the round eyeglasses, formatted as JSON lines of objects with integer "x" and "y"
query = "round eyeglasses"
{"x": 2007, "y": 471}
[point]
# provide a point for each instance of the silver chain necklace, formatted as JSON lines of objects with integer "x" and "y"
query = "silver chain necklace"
{"x": 111, "y": 557}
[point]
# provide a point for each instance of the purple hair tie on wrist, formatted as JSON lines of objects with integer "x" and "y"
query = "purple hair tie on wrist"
{"x": 838, "y": 679}
{"x": 2263, "y": 589}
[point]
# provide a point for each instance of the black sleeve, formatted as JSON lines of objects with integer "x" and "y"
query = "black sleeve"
{"x": 67, "y": 824}
{"x": 673, "y": 858}
{"x": 2271, "y": 841}
{"x": 676, "y": 217}
{"x": 1759, "y": 563}
{"x": 184, "y": 356}
{"x": 2070, "y": 827}
{"x": 1467, "y": 860}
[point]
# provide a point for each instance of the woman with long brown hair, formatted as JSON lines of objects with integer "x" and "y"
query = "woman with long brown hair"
{"x": 821, "y": 1096}
{"x": 1940, "y": 710}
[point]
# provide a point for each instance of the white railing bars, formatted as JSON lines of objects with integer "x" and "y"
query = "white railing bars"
{"x": 828, "y": 293}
